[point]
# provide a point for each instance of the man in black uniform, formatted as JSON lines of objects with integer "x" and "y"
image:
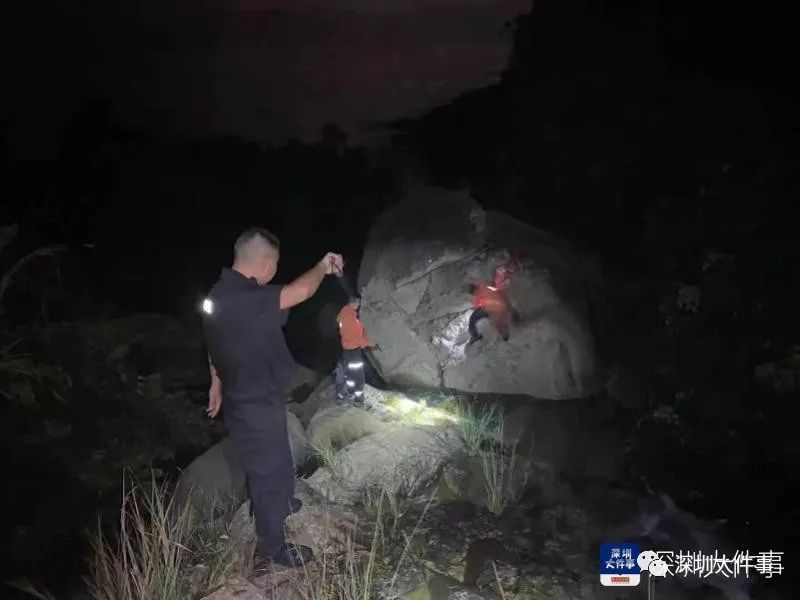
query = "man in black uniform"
{"x": 250, "y": 367}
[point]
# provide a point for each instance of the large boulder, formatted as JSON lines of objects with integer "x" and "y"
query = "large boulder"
{"x": 419, "y": 258}
{"x": 212, "y": 478}
{"x": 216, "y": 476}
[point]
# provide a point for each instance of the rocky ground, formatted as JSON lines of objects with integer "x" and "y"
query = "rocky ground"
{"x": 404, "y": 504}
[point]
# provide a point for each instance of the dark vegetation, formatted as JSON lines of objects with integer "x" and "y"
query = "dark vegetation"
{"x": 678, "y": 177}
{"x": 672, "y": 153}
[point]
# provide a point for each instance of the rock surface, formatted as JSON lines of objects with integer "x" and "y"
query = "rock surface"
{"x": 302, "y": 384}
{"x": 297, "y": 439}
{"x": 323, "y": 392}
{"x": 212, "y": 477}
{"x": 320, "y": 525}
{"x": 237, "y": 589}
{"x": 216, "y": 475}
{"x": 413, "y": 281}
{"x": 401, "y": 459}
{"x": 342, "y": 425}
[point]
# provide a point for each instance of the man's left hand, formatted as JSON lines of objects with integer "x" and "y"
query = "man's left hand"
{"x": 214, "y": 400}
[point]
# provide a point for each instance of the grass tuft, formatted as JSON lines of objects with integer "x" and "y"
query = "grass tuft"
{"x": 213, "y": 548}
{"x": 352, "y": 574}
{"x": 505, "y": 476}
{"x": 160, "y": 548}
{"x": 327, "y": 454}
{"x": 149, "y": 557}
{"x": 477, "y": 425}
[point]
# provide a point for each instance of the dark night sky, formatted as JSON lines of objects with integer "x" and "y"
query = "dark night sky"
{"x": 272, "y": 69}
{"x": 592, "y": 129}
{"x": 263, "y": 69}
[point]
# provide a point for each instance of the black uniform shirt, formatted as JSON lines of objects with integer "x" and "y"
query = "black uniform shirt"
{"x": 242, "y": 323}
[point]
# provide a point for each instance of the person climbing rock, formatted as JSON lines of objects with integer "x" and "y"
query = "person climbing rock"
{"x": 491, "y": 303}
{"x": 250, "y": 367}
{"x": 350, "y": 370}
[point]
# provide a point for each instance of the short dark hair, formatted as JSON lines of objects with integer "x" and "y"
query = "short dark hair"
{"x": 254, "y": 240}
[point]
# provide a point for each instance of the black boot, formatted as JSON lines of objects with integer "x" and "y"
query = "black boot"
{"x": 474, "y": 339}
{"x": 292, "y": 556}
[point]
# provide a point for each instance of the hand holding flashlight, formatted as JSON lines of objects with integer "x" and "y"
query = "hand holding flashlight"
{"x": 333, "y": 264}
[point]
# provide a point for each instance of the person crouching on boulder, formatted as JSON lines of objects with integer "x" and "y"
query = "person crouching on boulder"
{"x": 350, "y": 371}
{"x": 492, "y": 303}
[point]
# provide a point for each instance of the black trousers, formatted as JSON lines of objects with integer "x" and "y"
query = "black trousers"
{"x": 476, "y": 316}
{"x": 261, "y": 439}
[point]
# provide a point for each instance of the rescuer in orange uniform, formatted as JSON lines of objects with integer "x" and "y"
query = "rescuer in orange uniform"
{"x": 491, "y": 303}
{"x": 350, "y": 371}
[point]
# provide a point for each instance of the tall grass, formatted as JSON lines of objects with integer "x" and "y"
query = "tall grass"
{"x": 482, "y": 431}
{"x": 214, "y": 554}
{"x": 500, "y": 470}
{"x": 505, "y": 471}
{"x": 500, "y": 589}
{"x": 352, "y": 574}
{"x": 386, "y": 510}
{"x": 159, "y": 549}
{"x": 149, "y": 558}
{"x": 326, "y": 453}
{"x": 477, "y": 425}
{"x": 165, "y": 551}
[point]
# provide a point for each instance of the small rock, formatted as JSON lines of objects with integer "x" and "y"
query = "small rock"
{"x": 506, "y": 575}
{"x": 445, "y": 588}
{"x": 392, "y": 582}
{"x": 237, "y": 589}
{"x": 323, "y": 527}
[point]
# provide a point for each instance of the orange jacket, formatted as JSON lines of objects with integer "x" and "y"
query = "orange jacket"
{"x": 351, "y": 330}
{"x": 490, "y": 299}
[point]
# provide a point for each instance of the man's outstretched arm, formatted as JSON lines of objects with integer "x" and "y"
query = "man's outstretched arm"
{"x": 305, "y": 286}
